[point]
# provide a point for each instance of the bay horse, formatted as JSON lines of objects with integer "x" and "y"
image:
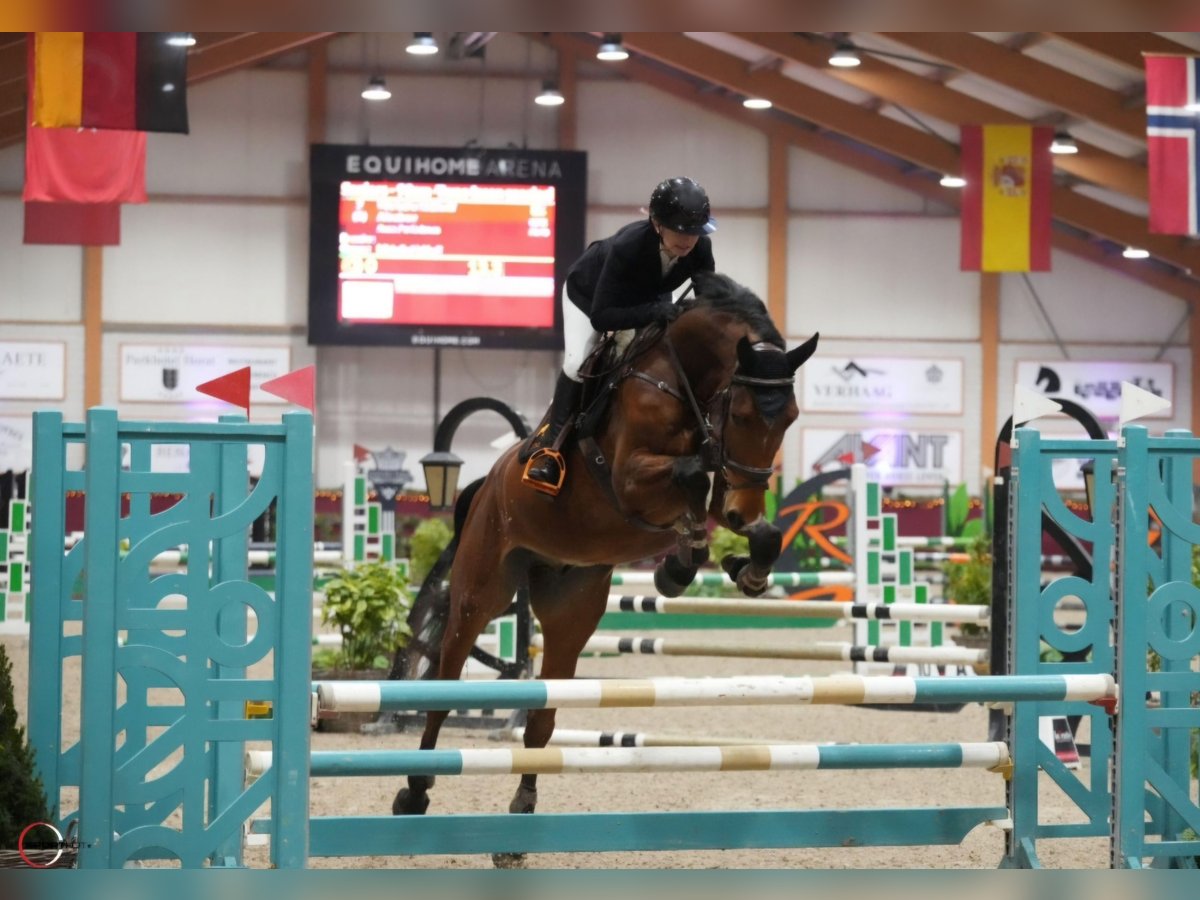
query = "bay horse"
{"x": 713, "y": 394}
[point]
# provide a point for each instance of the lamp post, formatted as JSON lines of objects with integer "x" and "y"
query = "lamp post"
{"x": 442, "y": 467}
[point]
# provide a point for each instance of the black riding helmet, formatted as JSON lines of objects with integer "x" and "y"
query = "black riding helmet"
{"x": 682, "y": 205}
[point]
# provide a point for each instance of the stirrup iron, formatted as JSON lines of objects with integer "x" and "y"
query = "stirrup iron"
{"x": 545, "y": 487}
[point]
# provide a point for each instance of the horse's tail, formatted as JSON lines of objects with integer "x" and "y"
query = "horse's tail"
{"x": 427, "y": 617}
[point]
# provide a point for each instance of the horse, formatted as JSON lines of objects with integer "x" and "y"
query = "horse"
{"x": 687, "y": 426}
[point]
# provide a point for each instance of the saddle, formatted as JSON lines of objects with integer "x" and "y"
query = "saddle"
{"x": 600, "y": 373}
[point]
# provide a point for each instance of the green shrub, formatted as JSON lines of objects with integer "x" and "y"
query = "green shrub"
{"x": 428, "y": 541}
{"x": 369, "y": 604}
{"x": 22, "y": 800}
{"x": 971, "y": 582}
{"x": 723, "y": 543}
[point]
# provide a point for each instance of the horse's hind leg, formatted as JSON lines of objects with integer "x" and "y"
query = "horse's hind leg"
{"x": 478, "y": 593}
{"x": 569, "y": 606}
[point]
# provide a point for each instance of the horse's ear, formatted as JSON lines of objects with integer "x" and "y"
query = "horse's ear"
{"x": 745, "y": 354}
{"x": 798, "y": 356}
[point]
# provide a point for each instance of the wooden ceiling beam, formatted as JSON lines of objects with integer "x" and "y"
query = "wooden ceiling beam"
{"x": 904, "y": 88}
{"x": 1042, "y": 81}
{"x": 249, "y": 49}
{"x": 13, "y": 63}
{"x": 896, "y": 139}
{"x": 868, "y": 163}
{"x": 730, "y": 108}
{"x": 800, "y": 100}
{"x": 1123, "y": 46}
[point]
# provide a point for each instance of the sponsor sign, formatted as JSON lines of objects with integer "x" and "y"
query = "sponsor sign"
{"x": 898, "y": 457}
{"x": 165, "y": 373}
{"x": 1096, "y": 384}
{"x": 883, "y": 384}
{"x": 33, "y": 370}
{"x": 16, "y": 443}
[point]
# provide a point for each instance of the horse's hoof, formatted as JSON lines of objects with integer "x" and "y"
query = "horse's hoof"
{"x": 524, "y": 801}
{"x": 408, "y": 803}
{"x": 509, "y": 860}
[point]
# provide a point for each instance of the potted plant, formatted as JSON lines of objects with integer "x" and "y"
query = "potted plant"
{"x": 369, "y": 606}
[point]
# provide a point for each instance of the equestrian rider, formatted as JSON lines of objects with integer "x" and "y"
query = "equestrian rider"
{"x": 623, "y": 282}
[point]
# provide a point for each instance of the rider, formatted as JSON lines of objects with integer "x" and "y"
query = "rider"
{"x": 623, "y": 282}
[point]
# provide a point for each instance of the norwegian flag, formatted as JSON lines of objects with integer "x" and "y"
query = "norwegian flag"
{"x": 1172, "y": 122}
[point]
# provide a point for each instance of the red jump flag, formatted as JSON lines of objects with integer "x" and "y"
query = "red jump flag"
{"x": 1172, "y": 130}
{"x": 124, "y": 80}
{"x": 232, "y": 388}
{"x": 1006, "y": 201}
{"x": 298, "y": 387}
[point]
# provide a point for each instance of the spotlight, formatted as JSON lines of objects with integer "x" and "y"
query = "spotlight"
{"x": 611, "y": 50}
{"x": 845, "y": 56}
{"x": 953, "y": 181}
{"x": 422, "y": 44}
{"x": 756, "y": 103}
{"x": 550, "y": 95}
{"x": 1135, "y": 253}
{"x": 182, "y": 39}
{"x": 1063, "y": 144}
{"x": 376, "y": 89}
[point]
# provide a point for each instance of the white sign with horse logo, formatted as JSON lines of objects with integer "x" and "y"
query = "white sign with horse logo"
{"x": 877, "y": 384}
{"x": 917, "y": 458}
{"x": 1096, "y": 384}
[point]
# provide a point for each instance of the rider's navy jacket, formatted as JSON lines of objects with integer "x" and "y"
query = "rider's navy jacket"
{"x": 619, "y": 282}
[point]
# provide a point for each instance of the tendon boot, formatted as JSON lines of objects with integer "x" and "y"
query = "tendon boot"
{"x": 546, "y": 469}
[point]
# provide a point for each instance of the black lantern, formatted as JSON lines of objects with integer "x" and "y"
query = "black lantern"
{"x": 441, "y": 477}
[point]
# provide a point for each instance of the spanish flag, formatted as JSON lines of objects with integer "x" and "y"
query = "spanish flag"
{"x": 1006, "y": 201}
{"x": 124, "y": 80}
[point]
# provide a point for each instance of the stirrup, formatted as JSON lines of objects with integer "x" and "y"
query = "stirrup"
{"x": 544, "y": 486}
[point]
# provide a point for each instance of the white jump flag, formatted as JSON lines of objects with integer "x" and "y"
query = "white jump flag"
{"x": 1137, "y": 402}
{"x": 1029, "y": 405}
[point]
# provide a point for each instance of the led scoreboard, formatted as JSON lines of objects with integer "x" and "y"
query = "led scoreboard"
{"x": 440, "y": 247}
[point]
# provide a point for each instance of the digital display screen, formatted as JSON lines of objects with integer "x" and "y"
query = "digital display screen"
{"x": 446, "y": 254}
{"x": 442, "y": 247}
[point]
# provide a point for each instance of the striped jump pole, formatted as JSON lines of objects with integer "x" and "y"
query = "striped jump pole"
{"x": 720, "y": 579}
{"x": 255, "y": 558}
{"x": 801, "y": 609}
{"x": 589, "y": 737}
{"x": 822, "y": 650}
{"x": 585, "y": 760}
{"x": 584, "y": 693}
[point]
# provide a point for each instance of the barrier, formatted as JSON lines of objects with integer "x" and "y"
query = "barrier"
{"x": 821, "y": 650}
{"x": 570, "y": 737}
{"x": 583, "y": 760}
{"x": 801, "y": 609}
{"x": 198, "y": 657}
{"x": 14, "y": 569}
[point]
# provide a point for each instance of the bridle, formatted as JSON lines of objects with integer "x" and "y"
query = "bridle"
{"x": 713, "y": 452}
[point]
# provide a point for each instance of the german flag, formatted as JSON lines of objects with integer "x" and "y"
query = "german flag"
{"x": 124, "y": 80}
{"x": 1006, "y": 201}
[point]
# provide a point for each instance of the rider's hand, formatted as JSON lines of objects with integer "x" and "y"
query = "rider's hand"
{"x": 669, "y": 313}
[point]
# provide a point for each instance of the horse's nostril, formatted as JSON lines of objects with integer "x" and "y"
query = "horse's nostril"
{"x": 735, "y": 520}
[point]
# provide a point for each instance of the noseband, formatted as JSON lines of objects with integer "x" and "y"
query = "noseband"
{"x": 713, "y": 451}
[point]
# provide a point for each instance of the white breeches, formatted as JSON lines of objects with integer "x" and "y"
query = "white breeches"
{"x": 580, "y": 338}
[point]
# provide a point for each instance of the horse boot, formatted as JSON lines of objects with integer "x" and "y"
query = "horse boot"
{"x": 546, "y": 469}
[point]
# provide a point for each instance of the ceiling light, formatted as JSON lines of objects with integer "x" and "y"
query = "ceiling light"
{"x": 182, "y": 39}
{"x": 1063, "y": 144}
{"x": 423, "y": 44}
{"x": 953, "y": 181}
{"x": 550, "y": 95}
{"x": 376, "y": 89}
{"x": 611, "y": 50}
{"x": 1135, "y": 253}
{"x": 756, "y": 103}
{"x": 845, "y": 56}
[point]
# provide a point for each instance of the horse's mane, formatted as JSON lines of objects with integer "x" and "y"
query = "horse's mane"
{"x": 722, "y": 294}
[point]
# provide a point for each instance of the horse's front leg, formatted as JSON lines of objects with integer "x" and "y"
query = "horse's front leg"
{"x": 752, "y": 574}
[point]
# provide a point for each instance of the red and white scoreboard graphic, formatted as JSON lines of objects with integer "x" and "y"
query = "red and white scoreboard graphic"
{"x": 446, "y": 254}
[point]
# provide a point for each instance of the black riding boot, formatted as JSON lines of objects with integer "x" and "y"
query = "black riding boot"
{"x": 545, "y": 469}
